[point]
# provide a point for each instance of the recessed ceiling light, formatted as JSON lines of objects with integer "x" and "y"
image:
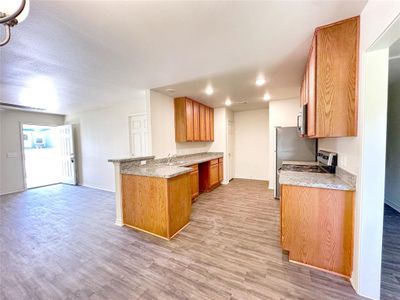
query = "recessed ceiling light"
{"x": 209, "y": 90}
{"x": 260, "y": 81}
{"x": 266, "y": 97}
{"x": 228, "y": 102}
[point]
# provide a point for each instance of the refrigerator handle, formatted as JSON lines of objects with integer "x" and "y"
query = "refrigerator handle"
{"x": 298, "y": 123}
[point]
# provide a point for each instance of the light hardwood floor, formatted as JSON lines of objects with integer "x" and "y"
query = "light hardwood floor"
{"x": 60, "y": 242}
{"x": 390, "y": 287}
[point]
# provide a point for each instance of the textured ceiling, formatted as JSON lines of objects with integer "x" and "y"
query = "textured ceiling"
{"x": 71, "y": 56}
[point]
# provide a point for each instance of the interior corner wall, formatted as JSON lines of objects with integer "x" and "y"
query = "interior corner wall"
{"x": 102, "y": 134}
{"x": 376, "y": 19}
{"x": 12, "y": 172}
{"x": 163, "y": 129}
{"x": 392, "y": 177}
{"x": 252, "y": 144}
{"x": 282, "y": 113}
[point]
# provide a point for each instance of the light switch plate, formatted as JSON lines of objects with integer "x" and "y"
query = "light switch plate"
{"x": 12, "y": 154}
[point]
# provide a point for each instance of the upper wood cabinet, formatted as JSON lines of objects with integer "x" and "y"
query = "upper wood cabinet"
{"x": 330, "y": 81}
{"x": 194, "y": 122}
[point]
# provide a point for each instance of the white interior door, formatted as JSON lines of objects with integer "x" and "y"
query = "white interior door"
{"x": 231, "y": 150}
{"x": 67, "y": 155}
{"x": 138, "y": 135}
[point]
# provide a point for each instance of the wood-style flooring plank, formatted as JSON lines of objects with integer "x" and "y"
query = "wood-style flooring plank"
{"x": 60, "y": 242}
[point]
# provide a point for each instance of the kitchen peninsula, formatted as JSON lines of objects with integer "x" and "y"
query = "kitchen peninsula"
{"x": 155, "y": 195}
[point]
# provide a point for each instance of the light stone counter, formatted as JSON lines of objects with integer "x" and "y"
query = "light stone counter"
{"x": 317, "y": 180}
{"x": 166, "y": 168}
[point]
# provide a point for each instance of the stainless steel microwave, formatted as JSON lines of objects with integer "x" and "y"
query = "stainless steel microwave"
{"x": 302, "y": 121}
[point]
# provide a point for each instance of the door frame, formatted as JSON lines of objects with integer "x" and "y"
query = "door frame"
{"x": 232, "y": 144}
{"x": 22, "y": 149}
{"x": 372, "y": 121}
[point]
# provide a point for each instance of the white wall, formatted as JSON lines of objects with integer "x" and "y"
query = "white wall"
{"x": 252, "y": 144}
{"x": 12, "y": 173}
{"x": 100, "y": 135}
{"x": 376, "y": 18}
{"x": 281, "y": 113}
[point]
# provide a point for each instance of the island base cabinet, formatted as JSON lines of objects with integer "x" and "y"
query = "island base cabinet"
{"x": 156, "y": 205}
{"x": 317, "y": 227}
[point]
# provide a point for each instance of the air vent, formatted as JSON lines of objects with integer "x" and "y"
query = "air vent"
{"x": 22, "y": 107}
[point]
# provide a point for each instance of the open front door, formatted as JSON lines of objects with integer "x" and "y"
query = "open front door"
{"x": 67, "y": 155}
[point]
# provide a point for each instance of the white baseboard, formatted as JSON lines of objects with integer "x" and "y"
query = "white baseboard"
{"x": 97, "y": 187}
{"x": 393, "y": 205}
{"x": 11, "y": 192}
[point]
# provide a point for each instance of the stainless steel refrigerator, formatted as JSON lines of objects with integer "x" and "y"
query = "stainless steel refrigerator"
{"x": 290, "y": 146}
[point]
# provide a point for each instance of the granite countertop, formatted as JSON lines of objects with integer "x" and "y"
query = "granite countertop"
{"x": 342, "y": 180}
{"x": 302, "y": 163}
{"x": 163, "y": 171}
{"x": 161, "y": 168}
{"x": 130, "y": 159}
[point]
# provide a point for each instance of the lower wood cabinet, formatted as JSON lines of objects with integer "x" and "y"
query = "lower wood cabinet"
{"x": 156, "y": 205}
{"x": 221, "y": 169}
{"x": 194, "y": 182}
{"x": 317, "y": 227}
{"x": 214, "y": 170}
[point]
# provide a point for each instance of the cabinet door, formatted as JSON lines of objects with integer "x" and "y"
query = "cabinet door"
{"x": 180, "y": 119}
{"x": 311, "y": 92}
{"x": 189, "y": 120}
{"x": 336, "y": 84}
{"x": 194, "y": 182}
{"x": 212, "y": 124}
{"x": 302, "y": 211}
{"x": 196, "y": 121}
{"x": 214, "y": 174}
{"x": 208, "y": 128}
{"x": 221, "y": 169}
{"x": 202, "y": 122}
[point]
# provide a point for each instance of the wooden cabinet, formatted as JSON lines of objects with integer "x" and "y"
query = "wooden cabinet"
{"x": 194, "y": 181}
{"x": 209, "y": 175}
{"x": 156, "y": 205}
{"x": 212, "y": 124}
{"x": 202, "y": 123}
{"x": 330, "y": 84}
{"x": 208, "y": 127}
{"x": 214, "y": 175}
{"x": 194, "y": 122}
{"x": 221, "y": 169}
{"x": 317, "y": 227}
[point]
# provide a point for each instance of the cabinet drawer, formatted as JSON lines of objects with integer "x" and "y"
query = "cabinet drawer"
{"x": 214, "y": 162}
{"x": 195, "y": 168}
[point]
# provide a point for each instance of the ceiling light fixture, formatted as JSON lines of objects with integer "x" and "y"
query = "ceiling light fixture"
{"x": 228, "y": 102}
{"x": 10, "y": 15}
{"x": 209, "y": 90}
{"x": 267, "y": 97}
{"x": 170, "y": 90}
{"x": 260, "y": 81}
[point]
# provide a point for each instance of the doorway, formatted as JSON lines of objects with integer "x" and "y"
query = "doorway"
{"x": 231, "y": 142}
{"x": 48, "y": 155}
{"x": 138, "y": 135}
{"x": 390, "y": 281}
